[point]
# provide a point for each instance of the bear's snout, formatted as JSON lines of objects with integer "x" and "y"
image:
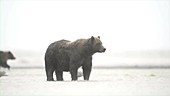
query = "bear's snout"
{"x": 12, "y": 57}
{"x": 104, "y": 49}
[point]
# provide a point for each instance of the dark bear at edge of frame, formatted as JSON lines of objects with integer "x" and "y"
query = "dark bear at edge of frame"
{"x": 4, "y": 57}
{"x": 64, "y": 55}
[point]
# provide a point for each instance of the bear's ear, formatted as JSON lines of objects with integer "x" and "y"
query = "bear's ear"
{"x": 92, "y": 38}
{"x": 98, "y": 37}
{"x": 9, "y": 52}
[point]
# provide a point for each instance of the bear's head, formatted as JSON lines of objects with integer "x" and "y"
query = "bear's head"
{"x": 97, "y": 44}
{"x": 10, "y": 55}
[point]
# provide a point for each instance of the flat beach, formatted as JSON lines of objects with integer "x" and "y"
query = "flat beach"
{"x": 103, "y": 82}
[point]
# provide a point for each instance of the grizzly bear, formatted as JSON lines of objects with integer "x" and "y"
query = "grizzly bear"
{"x": 67, "y": 56}
{"x": 4, "y": 56}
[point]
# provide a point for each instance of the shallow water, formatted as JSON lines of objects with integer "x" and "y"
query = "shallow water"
{"x": 103, "y": 82}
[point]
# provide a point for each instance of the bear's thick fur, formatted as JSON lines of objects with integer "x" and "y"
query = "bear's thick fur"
{"x": 4, "y": 56}
{"x": 67, "y": 56}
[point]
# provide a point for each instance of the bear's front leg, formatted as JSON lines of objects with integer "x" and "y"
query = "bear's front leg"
{"x": 73, "y": 75}
{"x": 73, "y": 68}
{"x": 87, "y": 68}
{"x": 5, "y": 65}
{"x": 73, "y": 72}
{"x": 86, "y": 72}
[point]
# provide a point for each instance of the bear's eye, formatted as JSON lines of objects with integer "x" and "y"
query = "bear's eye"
{"x": 99, "y": 44}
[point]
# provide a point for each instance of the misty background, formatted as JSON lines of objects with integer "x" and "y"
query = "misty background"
{"x": 134, "y": 32}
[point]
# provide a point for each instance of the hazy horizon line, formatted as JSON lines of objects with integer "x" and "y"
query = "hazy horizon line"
{"x": 105, "y": 67}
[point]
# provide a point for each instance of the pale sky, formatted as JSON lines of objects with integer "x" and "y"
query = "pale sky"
{"x": 122, "y": 24}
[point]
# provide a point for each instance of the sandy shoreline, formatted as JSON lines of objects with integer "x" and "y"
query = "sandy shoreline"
{"x": 103, "y": 82}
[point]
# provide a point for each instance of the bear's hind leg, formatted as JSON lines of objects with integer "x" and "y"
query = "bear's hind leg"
{"x": 49, "y": 73}
{"x": 59, "y": 75}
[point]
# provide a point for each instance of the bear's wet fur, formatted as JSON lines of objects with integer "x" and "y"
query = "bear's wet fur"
{"x": 67, "y": 56}
{"x": 4, "y": 57}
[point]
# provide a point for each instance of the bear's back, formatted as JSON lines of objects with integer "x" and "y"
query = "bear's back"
{"x": 56, "y": 54}
{"x": 58, "y": 44}
{"x": 3, "y": 56}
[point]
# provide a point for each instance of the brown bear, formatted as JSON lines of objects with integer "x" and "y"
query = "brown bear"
{"x": 4, "y": 56}
{"x": 67, "y": 56}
